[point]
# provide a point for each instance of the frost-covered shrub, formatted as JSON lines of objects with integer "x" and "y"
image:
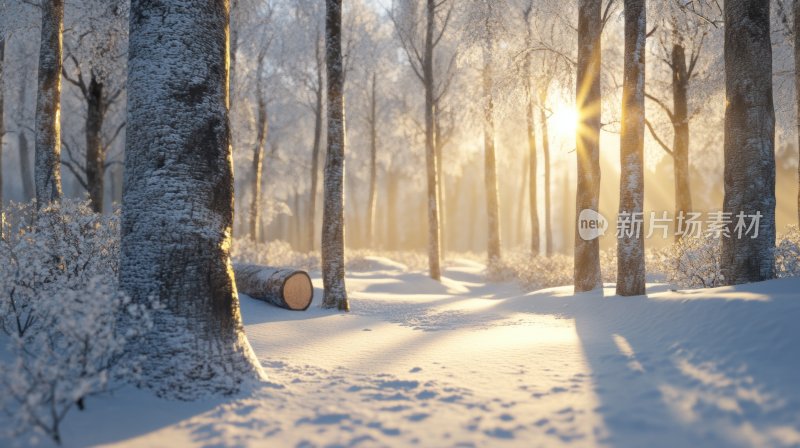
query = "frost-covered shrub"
{"x": 787, "y": 253}
{"x": 281, "y": 253}
{"x": 67, "y": 323}
{"x": 608, "y": 265}
{"x": 273, "y": 253}
{"x": 694, "y": 262}
{"x": 44, "y": 253}
{"x": 532, "y": 272}
{"x": 77, "y": 346}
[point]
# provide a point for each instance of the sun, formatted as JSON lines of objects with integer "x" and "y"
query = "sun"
{"x": 564, "y": 121}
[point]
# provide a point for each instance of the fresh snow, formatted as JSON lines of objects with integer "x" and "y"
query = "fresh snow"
{"x": 466, "y": 363}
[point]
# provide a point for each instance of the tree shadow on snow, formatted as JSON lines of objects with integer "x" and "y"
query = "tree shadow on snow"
{"x": 714, "y": 367}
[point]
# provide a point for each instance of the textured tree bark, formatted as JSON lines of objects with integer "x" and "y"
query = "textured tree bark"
{"x": 26, "y": 172}
{"x": 587, "y": 253}
{"x": 2, "y": 126}
{"x": 373, "y": 161}
{"x": 630, "y": 245}
{"x": 796, "y": 8}
{"x": 315, "y": 153}
{"x": 490, "y": 164}
{"x": 431, "y": 168}
{"x": 178, "y": 199}
{"x": 48, "y": 106}
{"x": 680, "y": 125}
{"x": 258, "y": 152}
{"x": 285, "y": 288}
{"x": 95, "y": 153}
{"x": 749, "y": 140}
{"x": 233, "y": 45}
{"x": 335, "y": 294}
{"x": 548, "y": 229}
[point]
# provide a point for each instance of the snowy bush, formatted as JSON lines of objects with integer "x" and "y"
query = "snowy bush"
{"x": 44, "y": 253}
{"x": 532, "y": 272}
{"x": 787, "y": 253}
{"x": 281, "y": 254}
{"x": 273, "y": 253}
{"x": 694, "y": 262}
{"x": 66, "y": 320}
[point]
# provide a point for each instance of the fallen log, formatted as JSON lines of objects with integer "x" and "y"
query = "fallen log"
{"x": 284, "y": 287}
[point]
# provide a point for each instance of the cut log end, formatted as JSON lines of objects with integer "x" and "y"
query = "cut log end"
{"x": 297, "y": 291}
{"x": 286, "y": 288}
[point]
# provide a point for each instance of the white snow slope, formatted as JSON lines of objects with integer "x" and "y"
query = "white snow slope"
{"x": 465, "y": 363}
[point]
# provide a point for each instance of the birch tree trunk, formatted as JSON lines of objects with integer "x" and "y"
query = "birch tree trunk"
{"x": 630, "y": 245}
{"x": 680, "y": 124}
{"x": 431, "y": 168}
{"x": 796, "y": 7}
{"x": 178, "y": 199}
{"x": 529, "y": 118}
{"x": 335, "y": 294}
{"x": 490, "y": 164}
{"x": 258, "y": 152}
{"x": 373, "y": 162}
{"x": 95, "y": 153}
{"x": 749, "y": 140}
{"x": 26, "y": 172}
{"x": 48, "y": 105}
{"x": 587, "y": 253}
{"x": 315, "y": 152}
{"x": 548, "y": 229}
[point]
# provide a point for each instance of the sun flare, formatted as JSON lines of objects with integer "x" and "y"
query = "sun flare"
{"x": 564, "y": 121}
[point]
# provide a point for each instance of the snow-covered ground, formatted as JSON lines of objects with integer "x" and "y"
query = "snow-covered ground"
{"x": 465, "y": 363}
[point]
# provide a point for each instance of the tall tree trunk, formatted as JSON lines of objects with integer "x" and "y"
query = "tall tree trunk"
{"x": 438, "y": 143}
{"x": 532, "y": 167}
{"x": 749, "y": 140}
{"x": 630, "y": 244}
{"x": 2, "y": 126}
{"x": 392, "y": 204}
{"x": 432, "y": 170}
{"x": 523, "y": 198}
{"x": 335, "y": 293}
{"x": 233, "y": 48}
{"x": 796, "y": 7}
{"x": 258, "y": 152}
{"x": 680, "y": 143}
{"x": 315, "y": 152}
{"x": 548, "y": 227}
{"x": 28, "y": 187}
{"x": 178, "y": 199}
{"x": 490, "y": 164}
{"x": 95, "y": 153}
{"x": 587, "y": 252}
{"x": 529, "y": 118}
{"x": 48, "y": 105}
{"x": 373, "y": 162}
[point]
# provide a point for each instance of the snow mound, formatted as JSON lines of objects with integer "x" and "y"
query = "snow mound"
{"x": 375, "y": 264}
